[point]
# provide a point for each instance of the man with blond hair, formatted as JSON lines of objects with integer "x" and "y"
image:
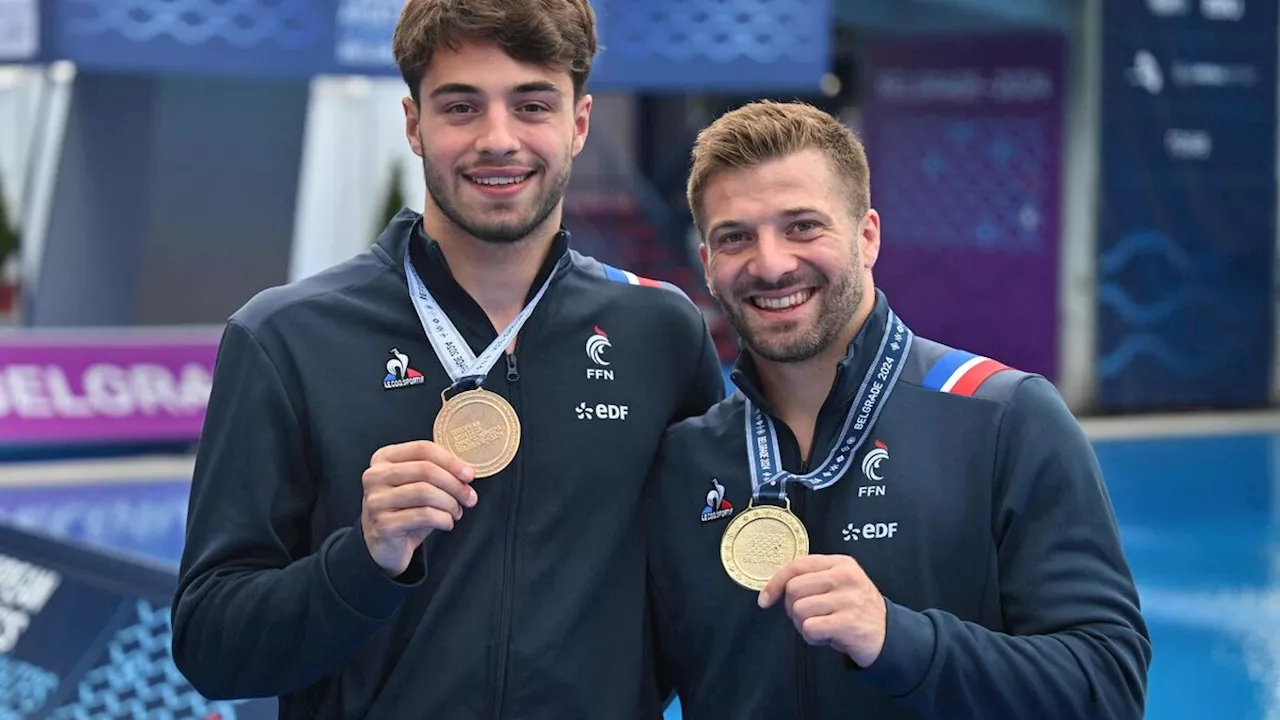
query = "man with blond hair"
{"x": 394, "y": 517}
{"x": 875, "y": 525}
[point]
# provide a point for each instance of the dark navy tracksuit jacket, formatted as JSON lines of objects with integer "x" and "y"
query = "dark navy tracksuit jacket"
{"x": 982, "y": 518}
{"x": 533, "y": 606}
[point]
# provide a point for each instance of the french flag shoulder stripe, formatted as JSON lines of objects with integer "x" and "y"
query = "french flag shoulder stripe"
{"x": 628, "y": 277}
{"x": 961, "y": 373}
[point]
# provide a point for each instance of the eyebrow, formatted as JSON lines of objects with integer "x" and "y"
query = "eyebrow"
{"x": 538, "y": 86}
{"x": 798, "y": 211}
{"x": 786, "y": 214}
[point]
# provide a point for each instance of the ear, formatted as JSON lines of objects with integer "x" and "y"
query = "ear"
{"x": 411, "y": 125}
{"x": 869, "y": 239}
{"x": 705, "y": 255}
{"x": 581, "y": 123}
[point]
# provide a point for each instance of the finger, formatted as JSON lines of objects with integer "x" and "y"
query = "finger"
{"x": 424, "y": 451}
{"x": 452, "y": 463}
{"x": 800, "y": 566}
{"x": 404, "y": 522}
{"x": 408, "y": 473}
{"x": 450, "y": 483}
{"x": 820, "y": 629}
{"x": 417, "y": 495}
{"x": 400, "y": 452}
{"x": 813, "y": 583}
{"x": 814, "y": 606}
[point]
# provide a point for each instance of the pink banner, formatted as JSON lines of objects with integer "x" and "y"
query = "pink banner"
{"x": 92, "y": 386}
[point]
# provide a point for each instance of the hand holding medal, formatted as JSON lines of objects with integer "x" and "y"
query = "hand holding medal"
{"x": 410, "y": 491}
{"x": 831, "y": 601}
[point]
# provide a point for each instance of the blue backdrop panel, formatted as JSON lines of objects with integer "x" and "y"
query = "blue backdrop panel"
{"x": 258, "y": 37}
{"x": 1187, "y": 208}
{"x": 98, "y": 646}
{"x": 647, "y": 44}
{"x": 19, "y": 30}
{"x": 141, "y": 518}
{"x": 718, "y": 45}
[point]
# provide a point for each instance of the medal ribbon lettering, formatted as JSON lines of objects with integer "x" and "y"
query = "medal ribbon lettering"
{"x": 769, "y": 480}
{"x": 464, "y": 368}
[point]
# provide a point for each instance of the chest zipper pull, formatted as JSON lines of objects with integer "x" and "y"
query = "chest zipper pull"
{"x": 513, "y": 374}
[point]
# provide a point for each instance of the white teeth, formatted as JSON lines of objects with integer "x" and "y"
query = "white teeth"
{"x": 782, "y": 303}
{"x": 500, "y": 180}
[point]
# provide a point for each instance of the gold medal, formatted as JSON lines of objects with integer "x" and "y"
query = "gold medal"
{"x": 480, "y": 427}
{"x": 759, "y": 542}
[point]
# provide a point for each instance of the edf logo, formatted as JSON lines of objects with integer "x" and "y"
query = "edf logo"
{"x": 603, "y": 411}
{"x": 870, "y": 531}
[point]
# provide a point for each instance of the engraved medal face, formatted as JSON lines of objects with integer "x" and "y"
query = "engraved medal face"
{"x": 759, "y": 542}
{"x": 481, "y": 428}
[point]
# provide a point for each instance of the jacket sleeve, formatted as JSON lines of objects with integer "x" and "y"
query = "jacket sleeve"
{"x": 1075, "y": 645}
{"x": 658, "y": 669}
{"x": 259, "y": 610}
{"x": 663, "y": 670}
{"x": 706, "y": 383}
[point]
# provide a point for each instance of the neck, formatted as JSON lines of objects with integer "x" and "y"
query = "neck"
{"x": 797, "y": 390}
{"x": 498, "y": 276}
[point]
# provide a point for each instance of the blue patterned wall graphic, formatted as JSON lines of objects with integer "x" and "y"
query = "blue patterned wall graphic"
{"x": 291, "y": 24}
{"x": 1153, "y": 332}
{"x": 135, "y": 678}
{"x": 713, "y": 44}
{"x": 259, "y": 37}
{"x": 25, "y": 688}
{"x": 652, "y": 44}
{"x": 1186, "y": 209}
{"x": 100, "y": 649}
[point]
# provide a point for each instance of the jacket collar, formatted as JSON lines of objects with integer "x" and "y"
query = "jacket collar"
{"x": 857, "y": 361}
{"x": 405, "y": 230}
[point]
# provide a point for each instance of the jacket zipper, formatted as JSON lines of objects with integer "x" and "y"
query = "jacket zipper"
{"x": 802, "y": 659}
{"x": 804, "y": 680}
{"x": 508, "y": 559}
{"x": 513, "y": 374}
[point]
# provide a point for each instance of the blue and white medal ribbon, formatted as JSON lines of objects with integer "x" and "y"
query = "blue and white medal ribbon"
{"x": 769, "y": 480}
{"x": 464, "y": 368}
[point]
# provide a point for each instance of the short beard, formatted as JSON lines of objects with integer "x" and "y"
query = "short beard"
{"x": 840, "y": 302}
{"x": 497, "y": 234}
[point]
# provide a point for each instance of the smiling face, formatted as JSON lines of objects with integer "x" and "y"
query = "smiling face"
{"x": 785, "y": 255}
{"x": 497, "y": 138}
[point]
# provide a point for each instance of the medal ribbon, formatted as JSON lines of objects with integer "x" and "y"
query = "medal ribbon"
{"x": 769, "y": 480}
{"x": 455, "y": 355}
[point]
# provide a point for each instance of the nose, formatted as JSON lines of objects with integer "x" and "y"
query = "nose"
{"x": 497, "y": 136}
{"x": 773, "y": 257}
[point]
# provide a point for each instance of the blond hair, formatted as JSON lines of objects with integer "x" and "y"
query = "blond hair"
{"x": 767, "y": 130}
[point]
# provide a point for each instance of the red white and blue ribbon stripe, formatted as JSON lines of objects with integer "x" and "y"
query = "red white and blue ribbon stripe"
{"x": 961, "y": 373}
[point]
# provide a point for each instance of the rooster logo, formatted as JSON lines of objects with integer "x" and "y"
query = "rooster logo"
{"x": 717, "y": 507}
{"x": 596, "y": 345}
{"x": 871, "y": 463}
{"x": 399, "y": 374}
